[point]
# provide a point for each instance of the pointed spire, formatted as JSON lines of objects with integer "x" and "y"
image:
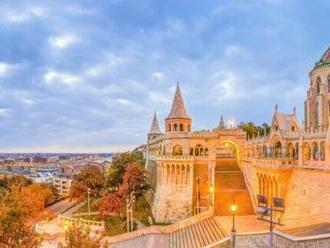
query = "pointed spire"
{"x": 325, "y": 59}
{"x": 178, "y": 109}
{"x": 154, "y": 129}
{"x": 221, "y": 123}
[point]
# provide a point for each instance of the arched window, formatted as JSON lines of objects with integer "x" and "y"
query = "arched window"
{"x": 181, "y": 127}
{"x": 199, "y": 151}
{"x": 206, "y": 152}
{"x": 296, "y": 152}
{"x": 169, "y": 127}
{"x": 307, "y": 151}
{"x": 318, "y": 85}
{"x": 293, "y": 128}
{"x": 175, "y": 127}
{"x": 278, "y": 149}
{"x": 316, "y": 115}
{"x": 322, "y": 151}
{"x": 264, "y": 151}
{"x": 315, "y": 151}
{"x": 191, "y": 153}
{"x": 177, "y": 150}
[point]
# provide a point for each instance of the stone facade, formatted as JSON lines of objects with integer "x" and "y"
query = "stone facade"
{"x": 291, "y": 162}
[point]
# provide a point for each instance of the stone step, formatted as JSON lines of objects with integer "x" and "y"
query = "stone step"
{"x": 197, "y": 235}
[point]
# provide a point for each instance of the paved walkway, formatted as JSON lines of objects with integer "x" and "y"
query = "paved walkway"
{"x": 310, "y": 230}
{"x": 243, "y": 224}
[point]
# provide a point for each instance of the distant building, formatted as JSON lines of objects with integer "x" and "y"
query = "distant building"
{"x": 63, "y": 183}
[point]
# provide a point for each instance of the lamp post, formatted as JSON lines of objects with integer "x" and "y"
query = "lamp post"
{"x": 233, "y": 209}
{"x": 88, "y": 201}
{"x": 266, "y": 213}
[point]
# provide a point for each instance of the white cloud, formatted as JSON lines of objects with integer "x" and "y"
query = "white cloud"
{"x": 12, "y": 15}
{"x": 124, "y": 102}
{"x": 63, "y": 41}
{"x": 158, "y": 76}
{"x": 52, "y": 77}
{"x": 4, "y": 112}
{"x": 4, "y": 68}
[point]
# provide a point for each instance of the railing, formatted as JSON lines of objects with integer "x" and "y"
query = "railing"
{"x": 274, "y": 163}
{"x": 91, "y": 223}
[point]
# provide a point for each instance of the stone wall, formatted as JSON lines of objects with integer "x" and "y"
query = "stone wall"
{"x": 261, "y": 240}
{"x": 308, "y": 197}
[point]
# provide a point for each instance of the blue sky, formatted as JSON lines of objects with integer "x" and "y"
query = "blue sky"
{"x": 87, "y": 75}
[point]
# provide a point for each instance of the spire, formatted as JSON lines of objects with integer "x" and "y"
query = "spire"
{"x": 178, "y": 109}
{"x": 154, "y": 129}
{"x": 325, "y": 59}
{"x": 221, "y": 123}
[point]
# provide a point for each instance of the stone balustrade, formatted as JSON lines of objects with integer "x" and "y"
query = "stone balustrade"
{"x": 275, "y": 163}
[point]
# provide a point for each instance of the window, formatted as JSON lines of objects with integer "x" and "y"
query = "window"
{"x": 181, "y": 127}
{"x": 177, "y": 150}
{"x": 318, "y": 85}
{"x": 293, "y": 129}
{"x": 169, "y": 127}
{"x": 175, "y": 127}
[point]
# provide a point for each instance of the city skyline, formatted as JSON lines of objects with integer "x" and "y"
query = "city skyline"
{"x": 80, "y": 77}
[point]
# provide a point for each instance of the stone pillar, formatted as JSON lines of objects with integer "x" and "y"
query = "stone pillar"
{"x": 211, "y": 169}
{"x": 326, "y": 147}
{"x": 301, "y": 152}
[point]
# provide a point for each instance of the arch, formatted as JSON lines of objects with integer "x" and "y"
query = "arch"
{"x": 291, "y": 150}
{"x": 307, "y": 151}
{"x": 191, "y": 152}
{"x": 227, "y": 143}
{"x": 175, "y": 127}
{"x": 322, "y": 150}
{"x": 181, "y": 127}
{"x": 278, "y": 149}
{"x": 206, "y": 151}
{"x": 169, "y": 127}
{"x": 296, "y": 151}
{"x": 177, "y": 150}
{"x": 315, "y": 150}
{"x": 264, "y": 151}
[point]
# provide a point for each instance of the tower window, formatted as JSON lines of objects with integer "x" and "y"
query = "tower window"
{"x": 181, "y": 127}
{"x": 318, "y": 85}
{"x": 175, "y": 127}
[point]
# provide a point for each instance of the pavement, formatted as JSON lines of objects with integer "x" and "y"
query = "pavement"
{"x": 243, "y": 224}
{"x": 317, "y": 229}
{"x": 60, "y": 207}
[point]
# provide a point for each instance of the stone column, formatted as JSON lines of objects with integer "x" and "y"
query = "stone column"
{"x": 301, "y": 152}
{"x": 211, "y": 169}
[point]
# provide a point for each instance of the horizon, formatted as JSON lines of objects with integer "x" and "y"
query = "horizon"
{"x": 83, "y": 78}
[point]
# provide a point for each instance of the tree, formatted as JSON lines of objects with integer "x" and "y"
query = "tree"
{"x": 80, "y": 236}
{"x": 14, "y": 232}
{"x": 116, "y": 172}
{"x": 134, "y": 181}
{"x": 16, "y": 180}
{"x": 91, "y": 177}
{"x": 113, "y": 203}
{"x": 252, "y": 129}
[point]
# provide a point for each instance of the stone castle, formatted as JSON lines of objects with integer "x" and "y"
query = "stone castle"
{"x": 193, "y": 171}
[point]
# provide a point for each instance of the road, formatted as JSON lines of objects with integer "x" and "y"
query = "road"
{"x": 60, "y": 207}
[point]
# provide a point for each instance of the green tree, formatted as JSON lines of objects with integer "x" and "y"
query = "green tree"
{"x": 116, "y": 171}
{"x": 252, "y": 129}
{"x": 91, "y": 177}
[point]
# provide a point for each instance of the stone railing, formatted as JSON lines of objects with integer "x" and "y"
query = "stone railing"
{"x": 161, "y": 229}
{"x": 96, "y": 225}
{"x": 276, "y": 163}
{"x": 280, "y": 240}
{"x": 173, "y": 157}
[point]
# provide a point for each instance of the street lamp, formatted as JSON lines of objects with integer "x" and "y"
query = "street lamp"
{"x": 266, "y": 213}
{"x": 88, "y": 201}
{"x": 233, "y": 209}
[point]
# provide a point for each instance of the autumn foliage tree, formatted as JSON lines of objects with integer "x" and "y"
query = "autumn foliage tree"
{"x": 80, "y": 236}
{"x": 91, "y": 177}
{"x": 113, "y": 203}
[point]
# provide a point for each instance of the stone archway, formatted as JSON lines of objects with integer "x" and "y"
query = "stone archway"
{"x": 229, "y": 181}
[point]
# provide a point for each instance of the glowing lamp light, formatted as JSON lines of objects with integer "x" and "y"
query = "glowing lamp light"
{"x": 66, "y": 226}
{"x": 233, "y": 208}
{"x": 211, "y": 188}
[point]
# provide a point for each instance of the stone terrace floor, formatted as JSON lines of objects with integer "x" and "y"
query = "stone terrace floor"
{"x": 310, "y": 230}
{"x": 243, "y": 224}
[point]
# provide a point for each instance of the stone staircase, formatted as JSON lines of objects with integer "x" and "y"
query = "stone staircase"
{"x": 197, "y": 235}
{"x": 230, "y": 186}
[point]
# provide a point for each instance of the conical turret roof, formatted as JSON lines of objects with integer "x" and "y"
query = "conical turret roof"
{"x": 154, "y": 129}
{"x": 178, "y": 109}
{"x": 325, "y": 59}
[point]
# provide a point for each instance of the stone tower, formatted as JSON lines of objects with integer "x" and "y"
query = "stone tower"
{"x": 317, "y": 103}
{"x": 178, "y": 120}
{"x": 154, "y": 129}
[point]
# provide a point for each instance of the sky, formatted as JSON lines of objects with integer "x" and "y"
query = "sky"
{"x": 86, "y": 76}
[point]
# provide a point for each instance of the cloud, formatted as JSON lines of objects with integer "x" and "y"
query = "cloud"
{"x": 54, "y": 77}
{"x": 4, "y": 69}
{"x": 158, "y": 76}
{"x": 4, "y": 112}
{"x": 11, "y": 14}
{"x": 63, "y": 41}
